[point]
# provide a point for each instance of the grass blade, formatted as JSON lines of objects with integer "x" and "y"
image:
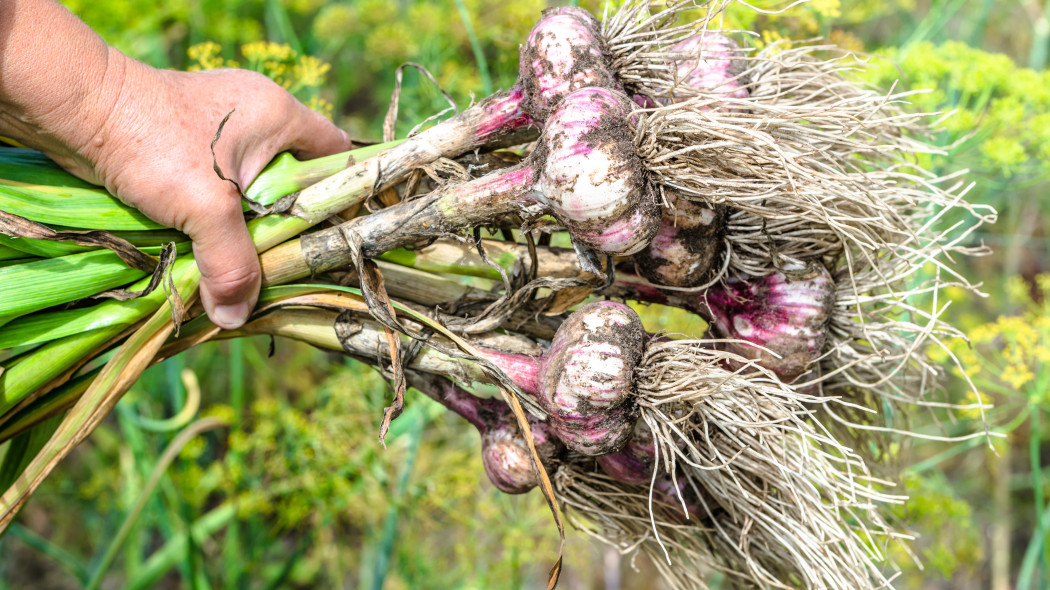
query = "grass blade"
{"x": 165, "y": 460}
{"x": 175, "y": 549}
{"x": 67, "y": 560}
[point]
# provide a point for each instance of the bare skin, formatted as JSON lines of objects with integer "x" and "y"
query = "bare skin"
{"x": 145, "y": 133}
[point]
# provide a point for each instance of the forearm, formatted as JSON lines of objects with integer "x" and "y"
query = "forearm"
{"x": 58, "y": 79}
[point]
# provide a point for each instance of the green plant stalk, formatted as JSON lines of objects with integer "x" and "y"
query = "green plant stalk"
{"x": 133, "y": 473}
{"x": 1037, "y": 57}
{"x": 285, "y": 174}
{"x": 1035, "y": 465}
{"x": 174, "y": 550}
{"x": 381, "y": 563}
{"x": 181, "y": 418}
{"x": 165, "y": 461}
{"x": 236, "y": 367}
{"x": 148, "y": 242}
{"x": 41, "y": 284}
{"x": 475, "y": 46}
{"x": 280, "y": 579}
{"x": 8, "y": 253}
{"x": 934, "y": 22}
{"x": 22, "y": 448}
{"x": 66, "y": 560}
{"x": 29, "y": 373}
{"x": 118, "y": 374}
{"x": 51, "y": 403}
{"x": 470, "y": 266}
{"x": 1035, "y": 547}
{"x": 73, "y": 207}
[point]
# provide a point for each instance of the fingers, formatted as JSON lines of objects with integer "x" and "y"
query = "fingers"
{"x": 315, "y": 136}
{"x": 229, "y": 265}
{"x": 306, "y": 133}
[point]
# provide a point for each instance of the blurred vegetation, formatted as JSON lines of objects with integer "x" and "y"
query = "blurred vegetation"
{"x": 295, "y": 491}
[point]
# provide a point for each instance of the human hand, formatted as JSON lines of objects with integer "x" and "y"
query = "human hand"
{"x": 145, "y": 134}
{"x": 152, "y": 151}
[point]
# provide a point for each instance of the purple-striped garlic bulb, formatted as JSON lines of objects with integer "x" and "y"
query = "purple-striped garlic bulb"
{"x": 592, "y": 178}
{"x": 686, "y": 247}
{"x": 787, "y": 315}
{"x": 588, "y": 376}
{"x": 585, "y": 380}
{"x": 584, "y": 171}
{"x": 564, "y": 52}
{"x": 504, "y": 452}
{"x": 506, "y": 456}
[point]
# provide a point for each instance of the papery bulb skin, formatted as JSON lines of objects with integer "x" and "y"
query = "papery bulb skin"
{"x": 587, "y": 378}
{"x": 507, "y": 459}
{"x": 686, "y": 247}
{"x": 564, "y": 52}
{"x": 785, "y": 314}
{"x": 596, "y": 434}
{"x": 590, "y": 364}
{"x": 592, "y": 178}
{"x": 634, "y": 463}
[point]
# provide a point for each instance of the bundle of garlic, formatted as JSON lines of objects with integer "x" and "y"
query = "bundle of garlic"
{"x": 763, "y": 190}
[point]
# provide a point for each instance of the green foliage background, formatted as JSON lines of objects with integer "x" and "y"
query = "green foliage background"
{"x": 296, "y": 492}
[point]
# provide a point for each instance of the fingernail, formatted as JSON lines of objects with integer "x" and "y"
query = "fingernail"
{"x": 230, "y": 317}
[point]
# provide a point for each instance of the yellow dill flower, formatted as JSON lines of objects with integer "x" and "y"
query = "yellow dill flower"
{"x": 847, "y": 41}
{"x": 974, "y": 400}
{"x": 769, "y": 38}
{"x": 263, "y": 51}
{"x": 206, "y": 55}
{"x": 970, "y": 362}
{"x": 310, "y": 71}
{"x": 827, "y": 8}
{"x": 1016, "y": 375}
{"x": 1041, "y": 353}
{"x": 321, "y": 106}
{"x": 1017, "y": 289}
{"x": 1042, "y": 281}
{"x": 983, "y": 333}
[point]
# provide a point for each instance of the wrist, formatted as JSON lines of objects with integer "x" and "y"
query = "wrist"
{"x": 75, "y": 131}
{"x": 59, "y": 82}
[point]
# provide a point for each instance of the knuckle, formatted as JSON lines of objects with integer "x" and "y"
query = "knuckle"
{"x": 233, "y": 280}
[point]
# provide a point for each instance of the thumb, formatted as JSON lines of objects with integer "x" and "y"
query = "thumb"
{"x": 225, "y": 254}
